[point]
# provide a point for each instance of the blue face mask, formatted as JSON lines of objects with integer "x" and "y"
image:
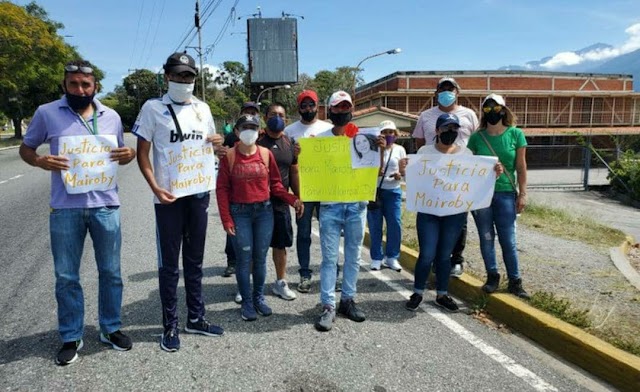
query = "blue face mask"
{"x": 446, "y": 98}
{"x": 275, "y": 124}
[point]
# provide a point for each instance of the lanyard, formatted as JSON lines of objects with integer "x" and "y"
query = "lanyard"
{"x": 94, "y": 130}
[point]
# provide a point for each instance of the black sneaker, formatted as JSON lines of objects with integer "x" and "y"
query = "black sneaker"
{"x": 348, "y": 309}
{"x": 117, "y": 340}
{"x": 230, "y": 270}
{"x": 515, "y": 288}
{"x": 203, "y": 327}
{"x": 170, "y": 340}
{"x": 68, "y": 353}
{"x": 414, "y": 302}
{"x": 447, "y": 303}
{"x": 493, "y": 280}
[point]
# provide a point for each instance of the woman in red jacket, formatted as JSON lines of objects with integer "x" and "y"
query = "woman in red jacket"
{"x": 247, "y": 177}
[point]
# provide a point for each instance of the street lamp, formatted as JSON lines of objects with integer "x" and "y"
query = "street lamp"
{"x": 285, "y": 86}
{"x": 357, "y": 69}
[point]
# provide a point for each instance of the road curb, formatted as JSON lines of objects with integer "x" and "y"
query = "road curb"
{"x": 619, "y": 258}
{"x": 9, "y": 148}
{"x": 617, "y": 367}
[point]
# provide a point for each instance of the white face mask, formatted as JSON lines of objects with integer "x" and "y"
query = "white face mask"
{"x": 180, "y": 92}
{"x": 249, "y": 136}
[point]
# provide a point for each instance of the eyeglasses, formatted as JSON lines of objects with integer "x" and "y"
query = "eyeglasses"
{"x": 495, "y": 108}
{"x": 76, "y": 68}
{"x": 305, "y": 105}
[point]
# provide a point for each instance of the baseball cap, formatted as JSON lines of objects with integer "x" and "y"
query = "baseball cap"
{"x": 338, "y": 97}
{"x": 307, "y": 94}
{"x": 446, "y": 119}
{"x": 248, "y": 119}
{"x": 387, "y": 124}
{"x": 180, "y": 62}
{"x": 250, "y": 104}
{"x": 448, "y": 80}
{"x": 494, "y": 97}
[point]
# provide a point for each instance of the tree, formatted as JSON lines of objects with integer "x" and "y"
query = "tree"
{"x": 32, "y": 58}
{"x": 328, "y": 82}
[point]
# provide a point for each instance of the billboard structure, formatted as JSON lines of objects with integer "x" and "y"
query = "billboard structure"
{"x": 273, "y": 51}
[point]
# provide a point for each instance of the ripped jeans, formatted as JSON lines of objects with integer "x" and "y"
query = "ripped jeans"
{"x": 499, "y": 217}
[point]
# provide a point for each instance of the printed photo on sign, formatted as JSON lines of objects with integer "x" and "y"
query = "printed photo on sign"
{"x": 364, "y": 150}
{"x": 90, "y": 166}
{"x": 191, "y": 168}
{"x": 448, "y": 184}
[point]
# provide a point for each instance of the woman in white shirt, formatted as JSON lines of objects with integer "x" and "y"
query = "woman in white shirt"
{"x": 390, "y": 203}
{"x": 437, "y": 235}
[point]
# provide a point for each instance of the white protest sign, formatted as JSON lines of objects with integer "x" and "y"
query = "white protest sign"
{"x": 191, "y": 168}
{"x": 448, "y": 184}
{"x": 90, "y": 168}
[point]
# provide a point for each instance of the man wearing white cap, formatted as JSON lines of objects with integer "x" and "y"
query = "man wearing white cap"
{"x": 424, "y": 133}
{"x": 336, "y": 218}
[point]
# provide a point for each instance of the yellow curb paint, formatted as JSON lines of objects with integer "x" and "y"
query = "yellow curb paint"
{"x": 619, "y": 368}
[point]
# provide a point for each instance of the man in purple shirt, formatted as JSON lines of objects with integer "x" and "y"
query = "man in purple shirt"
{"x": 79, "y": 114}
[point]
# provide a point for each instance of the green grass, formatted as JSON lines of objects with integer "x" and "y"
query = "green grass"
{"x": 559, "y": 223}
{"x": 560, "y": 308}
{"x": 10, "y": 142}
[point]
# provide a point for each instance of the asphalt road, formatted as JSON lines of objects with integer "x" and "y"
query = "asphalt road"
{"x": 394, "y": 350}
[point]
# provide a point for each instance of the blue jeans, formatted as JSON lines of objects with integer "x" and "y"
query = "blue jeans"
{"x": 68, "y": 229}
{"x": 303, "y": 237}
{"x": 254, "y": 227}
{"x": 437, "y": 236}
{"x": 501, "y": 215}
{"x": 335, "y": 218}
{"x": 392, "y": 213}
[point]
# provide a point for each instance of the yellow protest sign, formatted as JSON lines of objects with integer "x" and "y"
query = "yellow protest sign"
{"x": 326, "y": 173}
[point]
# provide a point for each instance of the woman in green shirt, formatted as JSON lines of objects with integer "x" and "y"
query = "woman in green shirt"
{"x": 498, "y": 136}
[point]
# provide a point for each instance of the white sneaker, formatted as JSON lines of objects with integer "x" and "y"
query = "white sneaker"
{"x": 393, "y": 264}
{"x": 238, "y": 298}
{"x": 456, "y": 271}
{"x": 375, "y": 265}
{"x": 282, "y": 290}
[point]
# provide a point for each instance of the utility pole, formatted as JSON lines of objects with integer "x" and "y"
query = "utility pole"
{"x": 197, "y": 18}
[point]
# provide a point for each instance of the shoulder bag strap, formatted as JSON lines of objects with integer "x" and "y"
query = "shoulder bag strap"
{"x": 513, "y": 184}
{"x": 384, "y": 173}
{"x": 175, "y": 121}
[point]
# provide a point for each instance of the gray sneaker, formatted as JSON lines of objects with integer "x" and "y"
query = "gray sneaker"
{"x": 305, "y": 284}
{"x": 325, "y": 322}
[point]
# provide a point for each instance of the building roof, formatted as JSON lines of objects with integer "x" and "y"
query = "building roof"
{"x": 596, "y": 131}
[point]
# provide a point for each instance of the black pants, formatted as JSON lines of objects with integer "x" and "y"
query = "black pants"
{"x": 181, "y": 223}
{"x": 456, "y": 255}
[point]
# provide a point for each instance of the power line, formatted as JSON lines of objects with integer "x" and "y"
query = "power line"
{"x": 146, "y": 37}
{"x": 155, "y": 34}
{"x": 135, "y": 41}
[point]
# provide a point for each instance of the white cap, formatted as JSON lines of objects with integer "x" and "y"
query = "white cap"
{"x": 338, "y": 97}
{"x": 494, "y": 97}
{"x": 387, "y": 124}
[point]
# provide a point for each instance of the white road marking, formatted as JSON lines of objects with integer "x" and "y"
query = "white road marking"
{"x": 12, "y": 178}
{"x": 505, "y": 361}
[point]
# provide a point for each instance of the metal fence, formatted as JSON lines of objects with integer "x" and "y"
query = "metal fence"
{"x": 567, "y": 166}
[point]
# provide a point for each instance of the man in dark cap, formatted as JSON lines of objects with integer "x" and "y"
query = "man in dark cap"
{"x": 177, "y": 120}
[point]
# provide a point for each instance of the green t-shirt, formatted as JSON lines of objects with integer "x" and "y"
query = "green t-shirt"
{"x": 505, "y": 145}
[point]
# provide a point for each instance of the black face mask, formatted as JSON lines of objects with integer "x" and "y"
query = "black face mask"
{"x": 493, "y": 118}
{"x": 308, "y": 116}
{"x": 79, "y": 102}
{"x": 340, "y": 119}
{"x": 448, "y": 137}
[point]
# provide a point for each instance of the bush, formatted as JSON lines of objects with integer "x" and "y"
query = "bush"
{"x": 627, "y": 171}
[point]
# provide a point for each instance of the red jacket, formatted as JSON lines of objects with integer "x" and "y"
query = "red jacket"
{"x": 250, "y": 182}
